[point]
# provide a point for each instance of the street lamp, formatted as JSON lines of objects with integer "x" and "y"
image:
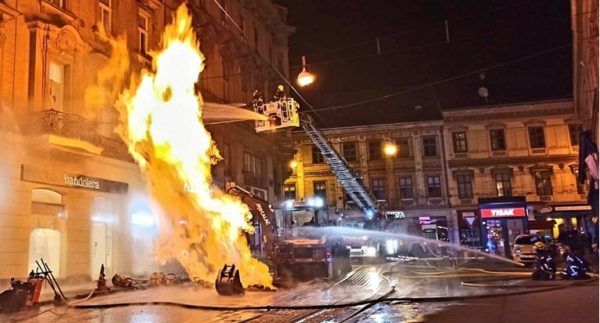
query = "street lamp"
{"x": 293, "y": 164}
{"x": 305, "y": 77}
{"x": 390, "y": 149}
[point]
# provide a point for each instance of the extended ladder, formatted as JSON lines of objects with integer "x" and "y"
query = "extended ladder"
{"x": 347, "y": 177}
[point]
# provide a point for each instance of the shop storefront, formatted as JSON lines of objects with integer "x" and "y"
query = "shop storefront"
{"x": 502, "y": 220}
{"x": 568, "y": 216}
{"x": 469, "y": 225}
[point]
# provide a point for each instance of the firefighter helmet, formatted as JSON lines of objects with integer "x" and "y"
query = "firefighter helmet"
{"x": 539, "y": 246}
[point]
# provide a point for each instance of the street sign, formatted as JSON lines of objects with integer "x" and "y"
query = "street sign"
{"x": 470, "y": 220}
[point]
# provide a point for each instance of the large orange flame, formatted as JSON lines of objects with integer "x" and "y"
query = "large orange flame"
{"x": 161, "y": 121}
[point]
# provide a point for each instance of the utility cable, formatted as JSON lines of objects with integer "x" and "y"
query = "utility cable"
{"x": 268, "y": 62}
{"x": 445, "y": 80}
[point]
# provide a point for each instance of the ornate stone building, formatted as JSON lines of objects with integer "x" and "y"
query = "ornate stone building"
{"x": 584, "y": 22}
{"x": 69, "y": 192}
{"x": 527, "y": 150}
{"x": 410, "y": 184}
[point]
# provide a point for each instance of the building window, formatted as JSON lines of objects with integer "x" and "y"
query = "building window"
{"x": 465, "y": 186}
{"x": 406, "y": 188}
{"x": 574, "y": 131}
{"x": 536, "y": 137}
{"x": 143, "y": 34}
{"x": 378, "y": 188}
{"x": 252, "y": 164}
{"x": 289, "y": 192}
{"x": 430, "y": 146}
{"x": 497, "y": 139}
{"x": 543, "y": 182}
{"x": 434, "y": 187}
{"x": 57, "y": 3}
{"x": 317, "y": 157}
{"x": 403, "y": 147}
{"x": 105, "y": 15}
{"x": 56, "y": 88}
{"x": 320, "y": 190}
{"x": 580, "y": 186}
{"x": 375, "y": 152}
{"x": 349, "y": 151}
{"x": 503, "y": 187}
{"x": 459, "y": 139}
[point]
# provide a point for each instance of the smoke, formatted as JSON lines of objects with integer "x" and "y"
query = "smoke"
{"x": 110, "y": 79}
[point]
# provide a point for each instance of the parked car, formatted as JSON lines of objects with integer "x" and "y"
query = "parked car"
{"x": 523, "y": 247}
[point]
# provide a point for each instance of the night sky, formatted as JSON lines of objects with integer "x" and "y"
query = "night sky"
{"x": 523, "y": 48}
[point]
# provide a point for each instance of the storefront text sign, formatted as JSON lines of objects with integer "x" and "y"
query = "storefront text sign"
{"x": 65, "y": 179}
{"x": 503, "y": 212}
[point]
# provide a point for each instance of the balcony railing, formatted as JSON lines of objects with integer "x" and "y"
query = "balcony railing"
{"x": 75, "y": 127}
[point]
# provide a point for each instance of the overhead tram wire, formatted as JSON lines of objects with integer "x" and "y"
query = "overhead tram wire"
{"x": 422, "y": 28}
{"x": 272, "y": 66}
{"x": 402, "y": 50}
{"x": 429, "y": 84}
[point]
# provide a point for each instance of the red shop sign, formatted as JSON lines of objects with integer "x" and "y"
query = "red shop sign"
{"x": 503, "y": 212}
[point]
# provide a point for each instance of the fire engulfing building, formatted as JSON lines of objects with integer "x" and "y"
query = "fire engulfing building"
{"x": 69, "y": 191}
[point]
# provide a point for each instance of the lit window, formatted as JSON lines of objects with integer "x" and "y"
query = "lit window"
{"x": 143, "y": 34}
{"x": 460, "y": 141}
{"x": 289, "y": 191}
{"x": 536, "y": 137}
{"x": 320, "y": 189}
{"x": 105, "y": 15}
{"x": 503, "y": 187}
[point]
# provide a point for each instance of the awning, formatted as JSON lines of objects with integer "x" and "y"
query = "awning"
{"x": 564, "y": 210}
{"x": 541, "y": 225}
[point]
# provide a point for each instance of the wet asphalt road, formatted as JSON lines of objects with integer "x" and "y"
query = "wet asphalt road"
{"x": 400, "y": 281}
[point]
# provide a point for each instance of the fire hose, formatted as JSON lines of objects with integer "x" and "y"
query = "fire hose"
{"x": 383, "y": 299}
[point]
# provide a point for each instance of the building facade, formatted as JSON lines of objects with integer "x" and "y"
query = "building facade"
{"x": 525, "y": 155}
{"x": 410, "y": 185}
{"x": 69, "y": 192}
{"x": 584, "y": 23}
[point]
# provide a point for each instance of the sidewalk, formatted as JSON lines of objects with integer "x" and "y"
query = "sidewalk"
{"x": 572, "y": 304}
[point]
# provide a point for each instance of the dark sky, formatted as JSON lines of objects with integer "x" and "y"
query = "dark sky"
{"x": 522, "y": 47}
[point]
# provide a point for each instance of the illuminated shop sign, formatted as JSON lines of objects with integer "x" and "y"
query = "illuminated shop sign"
{"x": 503, "y": 212}
{"x": 66, "y": 179}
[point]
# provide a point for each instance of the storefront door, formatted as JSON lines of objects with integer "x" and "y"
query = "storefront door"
{"x": 495, "y": 238}
{"x": 100, "y": 249}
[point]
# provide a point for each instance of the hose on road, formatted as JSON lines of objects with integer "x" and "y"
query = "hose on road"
{"x": 338, "y": 305}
